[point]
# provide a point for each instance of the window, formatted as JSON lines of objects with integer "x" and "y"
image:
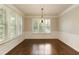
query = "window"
{"x": 2, "y": 24}
{"x": 41, "y": 26}
{"x": 19, "y": 25}
{"x": 10, "y": 24}
{"x": 14, "y": 25}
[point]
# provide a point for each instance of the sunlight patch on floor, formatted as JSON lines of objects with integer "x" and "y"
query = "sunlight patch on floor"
{"x": 42, "y": 49}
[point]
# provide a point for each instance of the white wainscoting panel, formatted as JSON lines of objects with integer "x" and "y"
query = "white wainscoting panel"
{"x": 7, "y": 46}
{"x": 70, "y": 39}
{"x": 53, "y": 35}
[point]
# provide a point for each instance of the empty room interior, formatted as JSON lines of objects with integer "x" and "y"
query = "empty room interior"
{"x": 39, "y": 29}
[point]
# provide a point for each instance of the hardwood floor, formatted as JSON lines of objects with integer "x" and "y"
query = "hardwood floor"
{"x": 42, "y": 47}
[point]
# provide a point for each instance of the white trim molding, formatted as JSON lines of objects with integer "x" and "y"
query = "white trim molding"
{"x": 30, "y": 35}
{"x": 6, "y": 47}
{"x": 70, "y": 39}
{"x": 68, "y": 9}
{"x": 14, "y": 9}
{"x": 40, "y": 16}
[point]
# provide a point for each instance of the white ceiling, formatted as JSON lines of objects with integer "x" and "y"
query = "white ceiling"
{"x": 35, "y": 9}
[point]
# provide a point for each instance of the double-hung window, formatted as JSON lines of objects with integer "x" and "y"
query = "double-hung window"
{"x": 19, "y": 25}
{"x": 2, "y": 24}
{"x": 14, "y": 25}
{"x": 10, "y": 24}
{"x": 41, "y": 26}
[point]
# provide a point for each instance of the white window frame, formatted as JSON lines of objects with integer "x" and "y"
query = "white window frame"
{"x": 4, "y": 18}
{"x": 38, "y": 26}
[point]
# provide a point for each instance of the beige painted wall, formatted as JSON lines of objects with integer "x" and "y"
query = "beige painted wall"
{"x": 69, "y": 28}
{"x": 28, "y": 23}
{"x": 30, "y": 35}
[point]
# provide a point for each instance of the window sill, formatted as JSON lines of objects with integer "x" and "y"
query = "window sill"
{"x": 40, "y": 33}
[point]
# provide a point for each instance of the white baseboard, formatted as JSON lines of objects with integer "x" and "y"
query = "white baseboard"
{"x": 70, "y": 39}
{"x": 6, "y": 47}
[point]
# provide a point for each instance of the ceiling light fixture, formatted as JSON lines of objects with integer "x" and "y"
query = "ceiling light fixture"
{"x": 42, "y": 16}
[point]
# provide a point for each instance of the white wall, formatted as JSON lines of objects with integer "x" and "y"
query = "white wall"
{"x": 69, "y": 27}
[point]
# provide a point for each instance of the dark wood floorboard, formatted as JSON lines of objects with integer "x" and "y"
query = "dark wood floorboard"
{"x": 42, "y": 47}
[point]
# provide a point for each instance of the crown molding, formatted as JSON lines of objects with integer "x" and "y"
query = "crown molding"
{"x": 14, "y": 8}
{"x": 40, "y": 16}
{"x": 68, "y": 9}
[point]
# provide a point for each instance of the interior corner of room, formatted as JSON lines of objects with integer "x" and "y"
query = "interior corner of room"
{"x": 17, "y": 24}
